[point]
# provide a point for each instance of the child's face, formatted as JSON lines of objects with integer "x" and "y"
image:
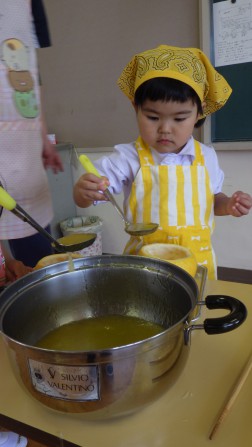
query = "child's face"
{"x": 166, "y": 126}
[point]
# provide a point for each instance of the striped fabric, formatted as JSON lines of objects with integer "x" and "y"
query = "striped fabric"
{"x": 180, "y": 199}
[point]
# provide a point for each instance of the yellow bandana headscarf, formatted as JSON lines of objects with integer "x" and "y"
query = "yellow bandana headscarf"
{"x": 189, "y": 65}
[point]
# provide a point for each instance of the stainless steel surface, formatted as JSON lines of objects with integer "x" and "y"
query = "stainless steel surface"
{"x": 117, "y": 381}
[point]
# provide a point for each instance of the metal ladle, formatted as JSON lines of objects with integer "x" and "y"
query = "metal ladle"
{"x": 73, "y": 242}
{"x": 134, "y": 229}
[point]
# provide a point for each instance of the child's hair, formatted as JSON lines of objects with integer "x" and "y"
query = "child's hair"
{"x": 167, "y": 89}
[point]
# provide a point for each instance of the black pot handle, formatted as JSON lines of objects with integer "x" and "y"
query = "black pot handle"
{"x": 235, "y": 318}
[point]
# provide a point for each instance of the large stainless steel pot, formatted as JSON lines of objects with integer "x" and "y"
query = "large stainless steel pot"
{"x": 118, "y": 381}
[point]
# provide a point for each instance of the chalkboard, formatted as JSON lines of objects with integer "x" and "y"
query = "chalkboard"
{"x": 234, "y": 121}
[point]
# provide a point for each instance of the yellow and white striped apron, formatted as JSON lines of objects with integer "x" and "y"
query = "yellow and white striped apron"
{"x": 180, "y": 199}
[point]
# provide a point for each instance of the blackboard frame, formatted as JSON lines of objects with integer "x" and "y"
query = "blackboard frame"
{"x": 206, "y": 40}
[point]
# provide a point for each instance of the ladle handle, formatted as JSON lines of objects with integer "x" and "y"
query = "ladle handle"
{"x": 23, "y": 215}
{"x": 89, "y": 167}
{"x": 6, "y": 201}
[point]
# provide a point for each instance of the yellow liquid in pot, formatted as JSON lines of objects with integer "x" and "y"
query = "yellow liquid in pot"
{"x": 99, "y": 333}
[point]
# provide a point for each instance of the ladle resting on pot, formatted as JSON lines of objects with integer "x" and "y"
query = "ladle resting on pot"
{"x": 73, "y": 242}
{"x": 134, "y": 229}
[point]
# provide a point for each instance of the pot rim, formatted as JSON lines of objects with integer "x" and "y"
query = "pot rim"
{"x": 102, "y": 261}
{"x": 131, "y": 347}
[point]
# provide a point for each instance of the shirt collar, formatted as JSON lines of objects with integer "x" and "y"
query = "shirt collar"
{"x": 188, "y": 149}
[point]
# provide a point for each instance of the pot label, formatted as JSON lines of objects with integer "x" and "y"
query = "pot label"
{"x": 76, "y": 383}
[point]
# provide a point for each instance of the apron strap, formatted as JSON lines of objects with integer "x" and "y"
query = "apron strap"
{"x": 144, "y": 153}
{"x": 199, "y": 159}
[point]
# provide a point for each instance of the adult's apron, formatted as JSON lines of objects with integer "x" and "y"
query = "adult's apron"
{"x": 180, "y": 199}
{"x": 21, "y": 169}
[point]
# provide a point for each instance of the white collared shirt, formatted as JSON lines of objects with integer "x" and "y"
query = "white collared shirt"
{"x": 123, "y": 164}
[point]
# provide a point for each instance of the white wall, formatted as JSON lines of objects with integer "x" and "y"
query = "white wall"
{"x": 92, "y": 42}
{"x": 232, "y": 238}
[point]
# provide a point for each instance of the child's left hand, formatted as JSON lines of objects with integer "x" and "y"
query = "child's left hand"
{"x": 16, "y": 269}
{"x": 239, "y": 204}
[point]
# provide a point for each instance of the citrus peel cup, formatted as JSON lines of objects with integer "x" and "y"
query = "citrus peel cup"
{"x": 175, "y": 254}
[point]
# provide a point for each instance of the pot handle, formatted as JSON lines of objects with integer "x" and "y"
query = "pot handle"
{"x": 235, "y": 318}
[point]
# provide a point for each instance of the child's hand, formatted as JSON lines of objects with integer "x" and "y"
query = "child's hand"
{"x": 239, "y": 204}
{"x": 16, "y": 269}
{"x": 89, "y": 188}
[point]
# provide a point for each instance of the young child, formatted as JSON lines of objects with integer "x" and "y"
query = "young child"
{"x": 166, "y": 175}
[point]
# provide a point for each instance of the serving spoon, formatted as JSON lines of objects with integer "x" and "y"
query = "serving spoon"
{"x": 73, "y": 242}
{"x": 134, "y": 229}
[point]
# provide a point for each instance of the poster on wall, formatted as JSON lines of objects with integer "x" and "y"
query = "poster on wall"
{"x": 232, "y": 32}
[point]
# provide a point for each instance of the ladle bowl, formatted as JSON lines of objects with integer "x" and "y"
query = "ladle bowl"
{"x": 73, "y": 242}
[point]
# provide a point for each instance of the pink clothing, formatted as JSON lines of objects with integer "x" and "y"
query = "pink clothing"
{"x": 21, "y": 169}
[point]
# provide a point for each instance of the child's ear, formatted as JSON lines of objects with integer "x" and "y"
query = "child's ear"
{"x": 203, "y": 105}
